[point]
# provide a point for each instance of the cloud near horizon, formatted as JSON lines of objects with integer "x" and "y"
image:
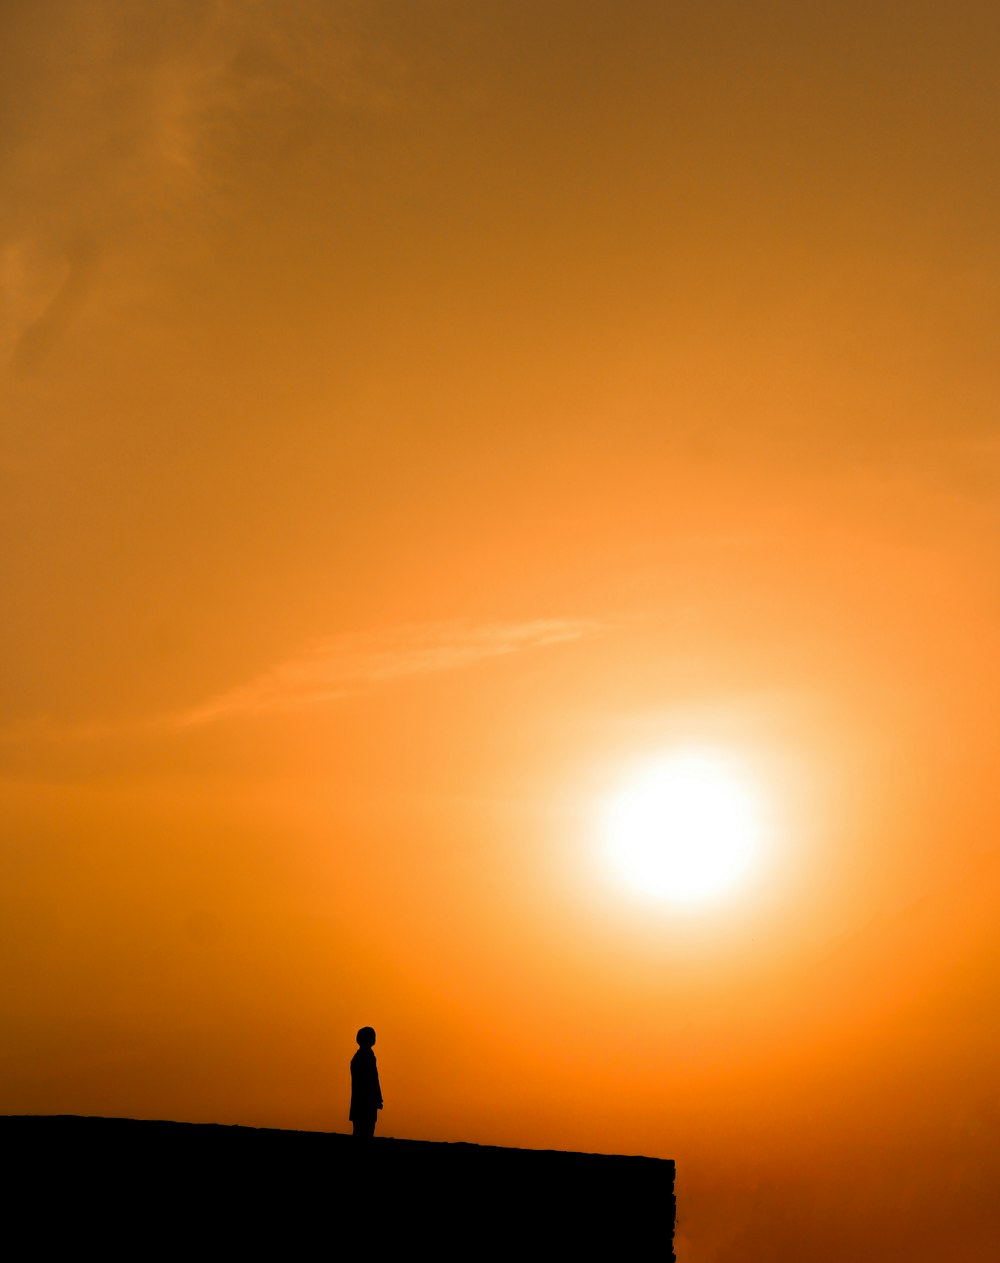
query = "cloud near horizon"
{"x": 331, "y": 668}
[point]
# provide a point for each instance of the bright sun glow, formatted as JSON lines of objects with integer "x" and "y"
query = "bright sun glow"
{"x": 685, "y": 827}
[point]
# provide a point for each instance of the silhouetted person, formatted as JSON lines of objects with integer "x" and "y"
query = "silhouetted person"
{"x": 366, "y": 1094}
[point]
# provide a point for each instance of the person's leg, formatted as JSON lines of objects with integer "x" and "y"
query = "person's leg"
{"x": 364, "y": 1128}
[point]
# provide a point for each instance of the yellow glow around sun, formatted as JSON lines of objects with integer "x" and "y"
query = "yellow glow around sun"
{"x": 684, "y": 827}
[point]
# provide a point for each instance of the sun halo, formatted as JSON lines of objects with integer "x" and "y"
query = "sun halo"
{"x": 684, "y": 827}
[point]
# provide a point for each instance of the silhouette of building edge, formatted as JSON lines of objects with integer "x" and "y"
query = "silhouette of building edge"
{"x": 131, "y": 1187}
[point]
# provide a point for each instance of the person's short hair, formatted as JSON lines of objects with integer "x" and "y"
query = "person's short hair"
{"x": 366, "y": 1036}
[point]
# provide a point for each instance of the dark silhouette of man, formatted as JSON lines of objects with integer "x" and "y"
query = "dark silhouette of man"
{"x": 366, "y": 1094}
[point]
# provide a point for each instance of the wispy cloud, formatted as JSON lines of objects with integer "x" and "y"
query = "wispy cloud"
{"x": 320, "y": 674}
{"x": 135, "y": 138}
{"x": 35, "y": 338}
{"x": 329, "y": 669}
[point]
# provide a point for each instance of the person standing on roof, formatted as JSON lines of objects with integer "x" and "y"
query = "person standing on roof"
{"x": 366, "y": 1092}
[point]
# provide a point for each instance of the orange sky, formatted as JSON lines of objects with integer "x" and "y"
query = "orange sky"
{"x": 416, "y": 415}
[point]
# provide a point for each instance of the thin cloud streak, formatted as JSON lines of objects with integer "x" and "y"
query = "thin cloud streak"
{"x": 330, "y": 669}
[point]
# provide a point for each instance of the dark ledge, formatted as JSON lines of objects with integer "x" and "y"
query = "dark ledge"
{"x": 126, "y": 1187}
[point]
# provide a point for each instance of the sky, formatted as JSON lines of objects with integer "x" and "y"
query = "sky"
{"x": 416, "y": 418}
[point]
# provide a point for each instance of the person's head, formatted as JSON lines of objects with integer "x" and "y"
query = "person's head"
{"x": 366, "y": 1037}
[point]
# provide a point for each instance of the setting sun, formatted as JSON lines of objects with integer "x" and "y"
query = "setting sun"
{"x": 684, "y": 827}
